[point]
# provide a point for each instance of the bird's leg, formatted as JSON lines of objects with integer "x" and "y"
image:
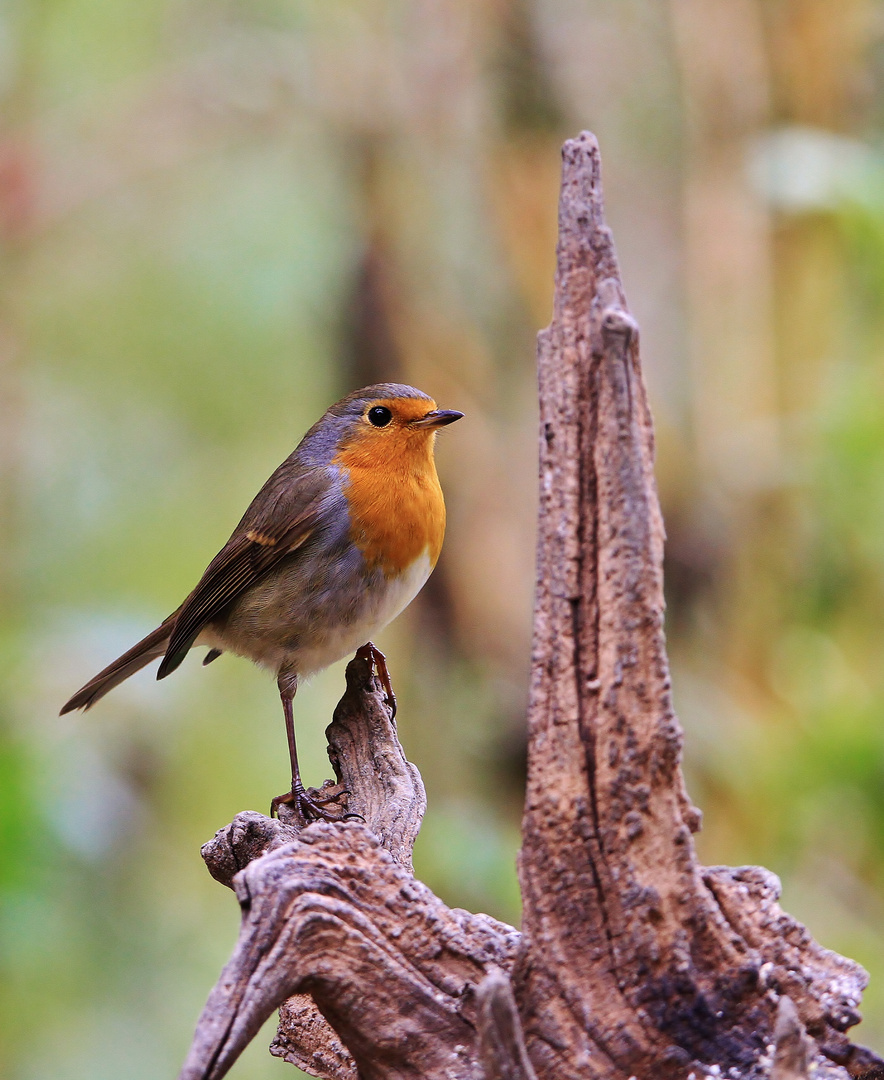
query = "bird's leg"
{"x": 374, "y": 656}
{"x": 298, "y": 797}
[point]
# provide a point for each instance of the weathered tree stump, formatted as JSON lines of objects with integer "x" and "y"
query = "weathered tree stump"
{"x": 633, "y": 960}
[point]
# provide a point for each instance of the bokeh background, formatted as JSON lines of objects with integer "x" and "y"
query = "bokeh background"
{"x": 216, "y": 218}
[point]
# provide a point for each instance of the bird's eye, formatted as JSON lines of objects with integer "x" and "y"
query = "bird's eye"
{"x": 380, "y": 416}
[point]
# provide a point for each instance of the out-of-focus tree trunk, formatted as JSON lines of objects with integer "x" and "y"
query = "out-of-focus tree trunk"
{"x": 720, "y": 49}
{"x": 766, "y": 290}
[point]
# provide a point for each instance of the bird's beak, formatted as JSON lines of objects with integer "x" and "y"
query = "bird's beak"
{"x": 438, "y": 418}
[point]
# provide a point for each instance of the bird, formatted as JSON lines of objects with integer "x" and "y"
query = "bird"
{"x": 338, "y": 541}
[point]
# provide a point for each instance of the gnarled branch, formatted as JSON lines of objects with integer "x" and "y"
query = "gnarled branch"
{"x": 634, "y": 960}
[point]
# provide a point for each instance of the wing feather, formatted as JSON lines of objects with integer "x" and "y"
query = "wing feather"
{"x": 279, "y": 521}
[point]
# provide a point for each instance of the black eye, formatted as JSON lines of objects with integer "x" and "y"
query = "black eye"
{"x": 380, "y": 416}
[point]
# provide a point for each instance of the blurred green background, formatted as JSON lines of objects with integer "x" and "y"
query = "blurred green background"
{"x": 215, "y": 219}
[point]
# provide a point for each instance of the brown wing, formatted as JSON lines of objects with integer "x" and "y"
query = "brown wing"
{"x": 282, "y": 517}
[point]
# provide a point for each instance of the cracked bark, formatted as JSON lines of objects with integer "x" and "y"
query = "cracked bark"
{"x": 633, "y": 960}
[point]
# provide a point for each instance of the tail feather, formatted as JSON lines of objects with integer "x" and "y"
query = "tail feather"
{"x": 135, "y": 659}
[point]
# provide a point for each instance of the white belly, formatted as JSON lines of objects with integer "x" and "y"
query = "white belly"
{"x": 387, "y": 603}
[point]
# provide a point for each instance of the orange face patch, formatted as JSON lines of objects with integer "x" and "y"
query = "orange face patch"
{"x": 396, "y": 506}
{"x": 405, "y": 410}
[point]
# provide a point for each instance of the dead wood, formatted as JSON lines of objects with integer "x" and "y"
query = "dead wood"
{"x": 502, "y": 1050}
{"x": 376, "y": 976}
{"x": 633, "y": 961}
{"x": 793, "y": 1051}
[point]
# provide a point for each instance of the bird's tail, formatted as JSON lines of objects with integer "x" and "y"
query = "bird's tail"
{"x": 147, "y": 649}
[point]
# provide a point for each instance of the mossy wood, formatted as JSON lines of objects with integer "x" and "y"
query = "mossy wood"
{"x": 633, "y": 960}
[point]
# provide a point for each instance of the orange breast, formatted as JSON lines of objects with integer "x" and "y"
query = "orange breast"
{"x": 396, "y": 505}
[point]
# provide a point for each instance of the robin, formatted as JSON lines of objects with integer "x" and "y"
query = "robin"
{"x": 338, "y": 541}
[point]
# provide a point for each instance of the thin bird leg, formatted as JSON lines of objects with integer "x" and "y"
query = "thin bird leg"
{"x": 374, "y": 656}
{"x": 298, "y": 796}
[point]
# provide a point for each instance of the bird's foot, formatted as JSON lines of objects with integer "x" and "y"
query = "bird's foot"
{"x": 376, "y": 658}
{"x": 309, "y": 807}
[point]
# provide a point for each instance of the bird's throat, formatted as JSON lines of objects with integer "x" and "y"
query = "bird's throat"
{"x": 397, "y": 513}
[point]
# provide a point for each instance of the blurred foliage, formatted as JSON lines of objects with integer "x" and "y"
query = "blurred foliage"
{"x": 215, "y": 219}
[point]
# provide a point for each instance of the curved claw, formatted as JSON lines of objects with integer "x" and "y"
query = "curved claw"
{"x": 376, "y": 658}
{"x": 309, "y": 809}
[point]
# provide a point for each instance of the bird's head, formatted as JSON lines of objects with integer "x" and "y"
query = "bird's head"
{"x": 381, "y": 425}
